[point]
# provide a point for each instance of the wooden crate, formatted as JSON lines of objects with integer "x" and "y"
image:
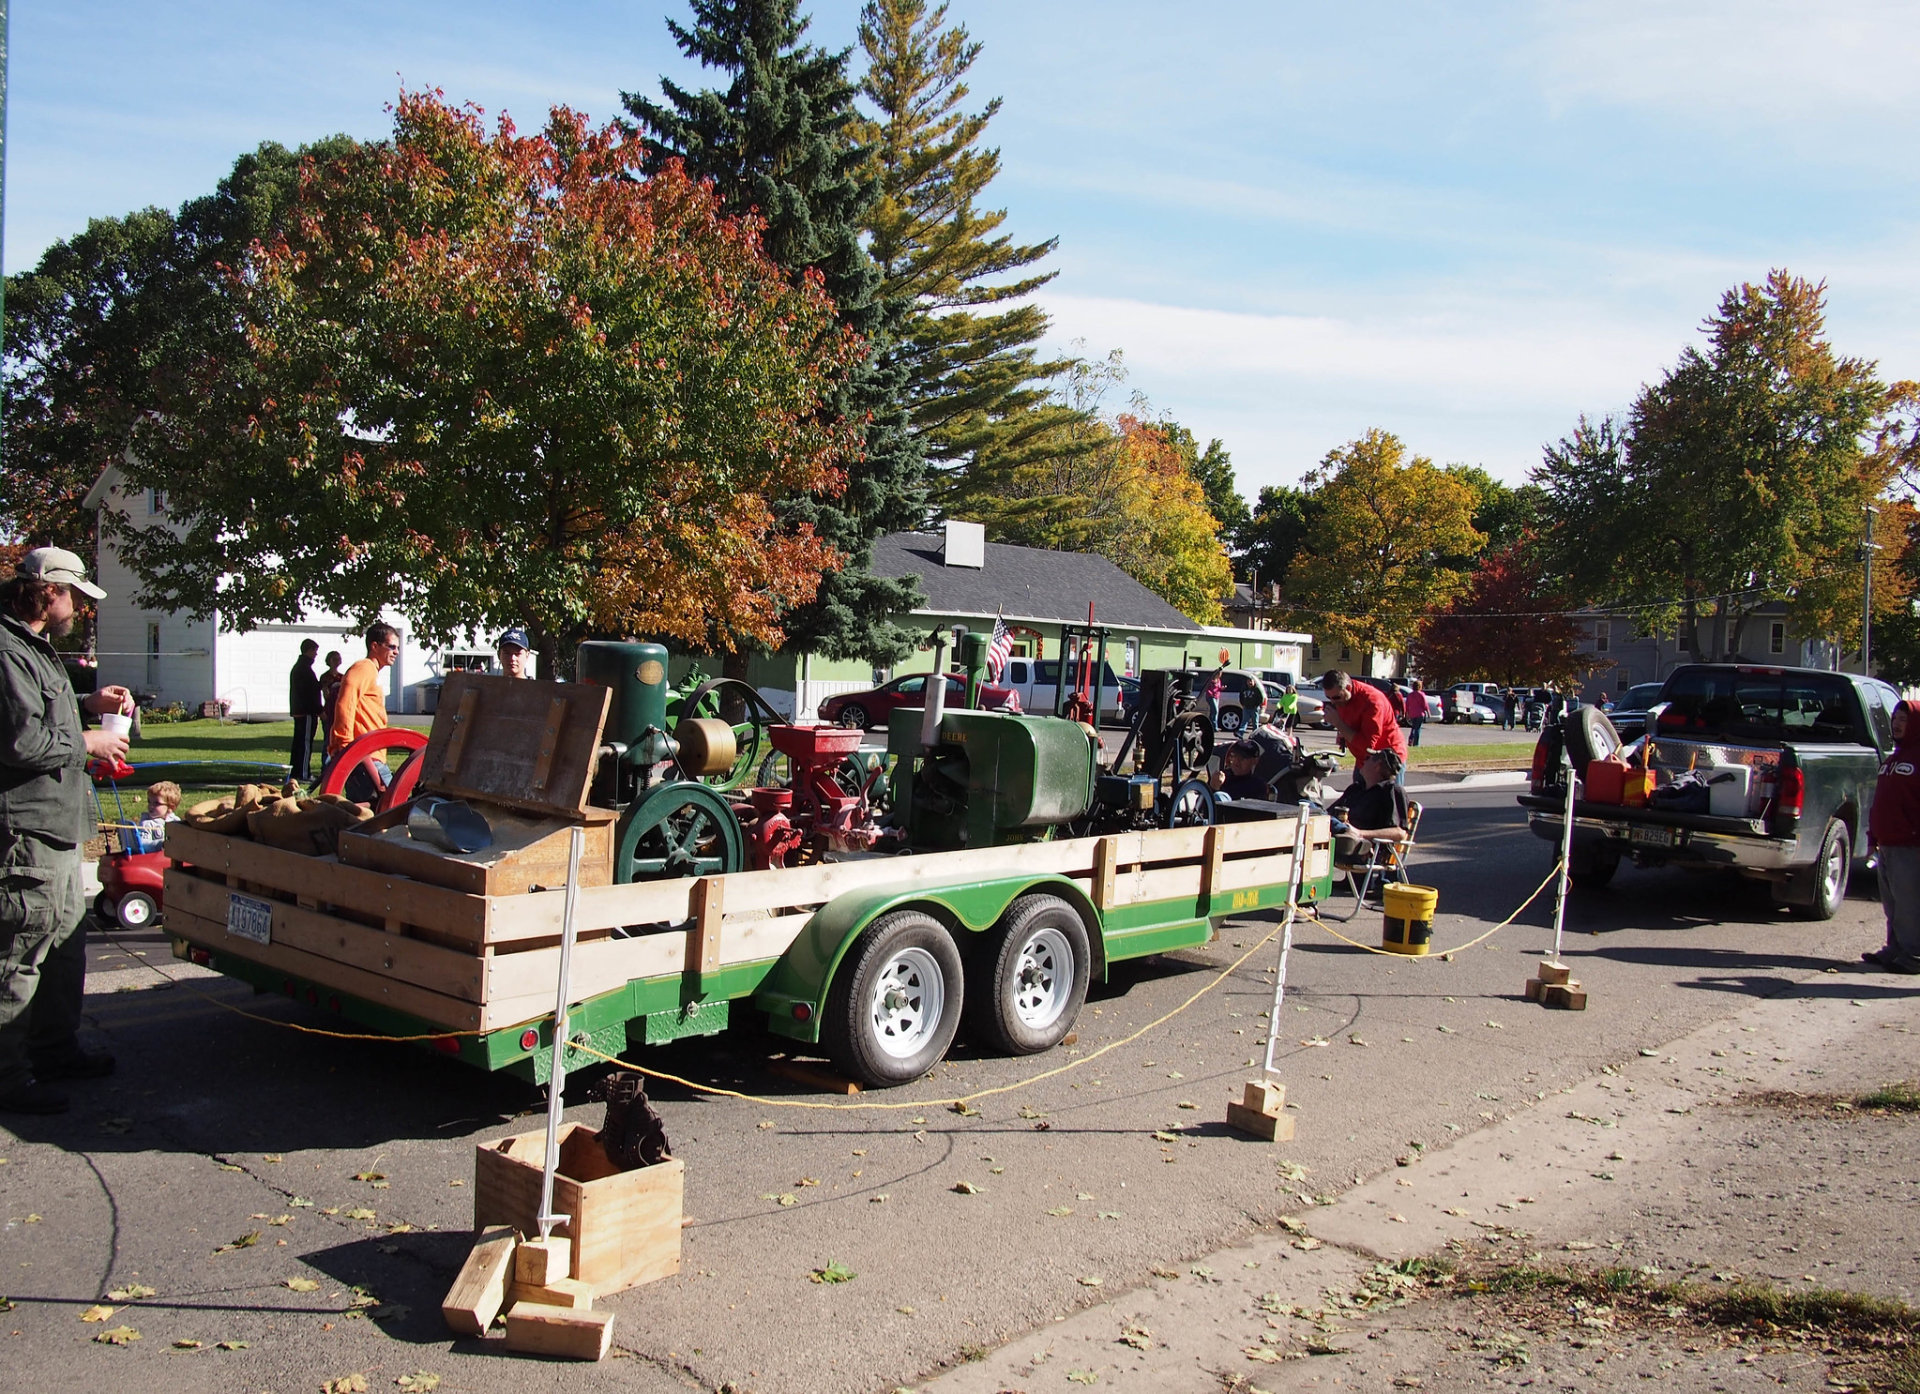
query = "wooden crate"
{"x": 625, "y": 1225}
{"x": 526, "y": 852}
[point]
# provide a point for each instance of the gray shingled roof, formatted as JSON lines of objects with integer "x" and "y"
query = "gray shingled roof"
{"x": 1025, "y": 583}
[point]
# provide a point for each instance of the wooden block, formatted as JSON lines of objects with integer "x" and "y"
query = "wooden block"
{"x": 480, "y": 1290}
{"x": 561, "y": 1292}
{"x": 533, "y": 1328}
{"x": 1262, "y": 1125}
{"x": 1534, "y": 989}
{"x": 1553, "y": 973}
{"x": 1566, "y": 996}
{"x": 703, "y": 945}
{"x": 539, "y": 1262}
{"x": 826, "y": 1081}
{"x": 1264, "y": 1096}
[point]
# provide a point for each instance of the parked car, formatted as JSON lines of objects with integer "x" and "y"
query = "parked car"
{"x": 1243, "y": 700}
{"x": 1772, "y": 772}
{"x": 1459, "y": 701}
{"x": 872, "y": 707}
{"x": 1629, "y": 714}
{"x": 1037, "y": 680}
{"x": 1313, "y": 705}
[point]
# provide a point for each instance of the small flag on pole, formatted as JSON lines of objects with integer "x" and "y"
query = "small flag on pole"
{"x": 1000, "y": 650}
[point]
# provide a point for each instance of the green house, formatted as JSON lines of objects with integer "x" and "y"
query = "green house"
{"x": 968, "y": 581}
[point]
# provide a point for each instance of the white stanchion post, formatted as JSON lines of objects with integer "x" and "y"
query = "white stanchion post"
{"x": 557, "y": 1070}
{"x": 1566, "y": 860}
{"x": 1294, "y": 877}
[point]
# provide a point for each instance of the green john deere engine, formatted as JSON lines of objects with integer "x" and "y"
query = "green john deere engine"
{"x": 989, "y": 779}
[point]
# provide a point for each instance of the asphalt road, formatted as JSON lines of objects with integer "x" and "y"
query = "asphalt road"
{"x": 219, "y": 1124}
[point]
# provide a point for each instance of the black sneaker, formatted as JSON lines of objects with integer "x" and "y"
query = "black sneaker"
{"x": 34, "y": 1098}
{"x": 1910, "y": 967}
{"x": 79, "y": 1064}
{"x": 1880, "y": 956}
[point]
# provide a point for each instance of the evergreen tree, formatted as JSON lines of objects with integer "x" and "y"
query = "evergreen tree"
{"x": 778, "y": 142}
{"x": 978, "y": 390}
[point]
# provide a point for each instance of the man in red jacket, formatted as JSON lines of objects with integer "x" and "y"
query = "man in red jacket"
{"x": 1893, "y": 827}
{"x": 1363, "y": 718}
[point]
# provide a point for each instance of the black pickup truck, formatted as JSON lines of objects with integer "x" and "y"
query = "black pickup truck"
{"x": 1811, "y": 743}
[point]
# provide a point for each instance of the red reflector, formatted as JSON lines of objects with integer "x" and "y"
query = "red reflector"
{"x": 1539, "y": 775}
{"x": 449, "y": 1044}
{"x": 333, "y": 1004}
{"x": 1793, "y": 791}
{"x": 529, "y": 1038}
{"x": 288, "y": 988}
{"x": 803, "y": 1011}
{"x": 313, "y": 995}
{"x": 201, "y": 957}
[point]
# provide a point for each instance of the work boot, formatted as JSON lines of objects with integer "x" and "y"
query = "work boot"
{"x": 74, "y": 1064}
{"x": 35, "y": 1097}
{"x": 1880, "y": 956}
{"x": 1909, "y": 967}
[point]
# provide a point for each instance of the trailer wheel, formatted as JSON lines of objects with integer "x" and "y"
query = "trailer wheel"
{"x": 1036, "y": 966}
{"x": 896, "y": 1001}
{"x": 1829, "y": 874}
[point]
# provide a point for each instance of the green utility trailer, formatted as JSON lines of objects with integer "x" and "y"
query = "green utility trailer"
{"x": 876, "y": 959}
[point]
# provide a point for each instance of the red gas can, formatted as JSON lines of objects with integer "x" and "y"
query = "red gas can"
{"x": 1606, "y": 780}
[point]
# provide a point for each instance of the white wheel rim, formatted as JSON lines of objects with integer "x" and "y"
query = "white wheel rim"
{"x": 1043, "y": 973}
{"x": 135, "y": 911}
{"x": 909, "y": 998}
{"x": 1836, "y": 870}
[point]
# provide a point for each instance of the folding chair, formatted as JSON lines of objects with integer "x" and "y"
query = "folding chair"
{"x": 1386, "y": 861}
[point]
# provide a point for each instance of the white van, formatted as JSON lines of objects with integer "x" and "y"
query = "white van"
{"x": 1037, "y": 679}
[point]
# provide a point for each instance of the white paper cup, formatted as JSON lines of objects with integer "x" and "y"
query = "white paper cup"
{"x": 116, "y": 723}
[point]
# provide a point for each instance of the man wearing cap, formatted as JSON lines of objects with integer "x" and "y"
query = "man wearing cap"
{"x": 512, "y": 649}
{"x": 46, "y": 813}
{"x": 1374, "y": 808}
{"x": 1237, "y": 777}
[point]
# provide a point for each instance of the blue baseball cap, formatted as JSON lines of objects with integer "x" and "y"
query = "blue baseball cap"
{"x": 517, "y": 637}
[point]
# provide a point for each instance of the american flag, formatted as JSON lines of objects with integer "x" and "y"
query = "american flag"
{"x": 1000, "y": 650}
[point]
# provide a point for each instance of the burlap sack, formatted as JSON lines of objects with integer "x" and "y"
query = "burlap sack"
{"x": 308, "y": 826}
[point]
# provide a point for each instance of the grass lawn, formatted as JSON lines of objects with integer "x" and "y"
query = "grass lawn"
{"x": 1516, "y": 754}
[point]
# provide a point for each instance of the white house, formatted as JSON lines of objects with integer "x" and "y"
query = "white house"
{"x": 180, "y": 659}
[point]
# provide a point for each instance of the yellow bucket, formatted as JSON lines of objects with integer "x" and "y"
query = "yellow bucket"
{"x": 1408, "y": 927}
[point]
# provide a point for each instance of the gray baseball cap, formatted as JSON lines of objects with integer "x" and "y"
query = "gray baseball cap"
{"x": 58, "y": 565}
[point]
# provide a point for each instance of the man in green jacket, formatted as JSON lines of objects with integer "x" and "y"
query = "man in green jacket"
{"x": 46, "y": 813}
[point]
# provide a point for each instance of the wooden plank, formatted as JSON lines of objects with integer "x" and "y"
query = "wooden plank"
{"x": 1105, "y": 862}
{"x": 703, "y": 944}
{"x": 561, "y": 1292}
{"x": 504, "y": 734}
{"x": 538, "y": 1262}
{"x": 1212, "y": 854}
{"x": 1261, "y": 1125}
{"x": 332, "y": 882}
{"x": 526, "y": 852}
{"x": 462, "y": 727}
{"x": 448, "y": 971}
{"x": 480, "y": 1290}
{"x": 431, "y": 1007}
{"x": 549, "y": 742}
{"x": 534, "y": 1328}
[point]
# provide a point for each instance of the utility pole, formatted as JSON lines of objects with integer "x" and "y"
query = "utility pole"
{"x": 1867, "y": 548}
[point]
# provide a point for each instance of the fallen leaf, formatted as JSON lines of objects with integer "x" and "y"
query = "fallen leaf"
{"x": 230, "y": 1345}
{"x": 1109, "y": 1214}
{"x": 1083, "y": 1376}
{"x": 966, "y": 1188}
{"x": 764, "y": 1124}
{"x": 419, "y": 1382}
{"x": 346, "y": 1384}
{"x": 1061, "y": 1211}
{"x": 118, "y": 1336}
{"x": 1162, "y": 1135}
{"x": 132, "y": 1292}
{"x": 301, "y": 1203}
{"x": 1168, "y": 1273}
{"x": 1456, "y": 1210}
{"x": 303, "y": 1285}
{"x": 1306, "y": 1241}
{"x": 807, "y": 1181}
{"x": 880, "y": 1199}
{"x": 1029, "y": 1111}
{"x": 1264, "y": 1355}
{"x": 1186, "y": 1103}
{"x": 188, "y": 1343}
{"x": 1090, "y": 1280}
{"x": 360, "y": 1212}
{"x": 369, "y": 1176}
{"x": 834, "y": 1272}
{"x": 33, "y": 1219}
{"x": 280, "y": 1220}
{"x": 1651, "y": 1054}
{"x": 789, "y": 1199}
{"x": 245, "y": 1241}
{"x": 399, "y": 1227}
{"x": 1292, "y": 1226}
{"x": 963, "y": 1108}
{"x": 1136, "y": 1336}
{"x": 271, "y": 1157}
{"x": 97, "y": 1313}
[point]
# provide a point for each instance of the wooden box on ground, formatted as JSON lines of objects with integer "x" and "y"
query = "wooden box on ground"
{"x": 625, "y": 1225}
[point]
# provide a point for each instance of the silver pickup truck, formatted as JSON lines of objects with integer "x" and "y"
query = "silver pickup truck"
{"x": 1793, "y": 753}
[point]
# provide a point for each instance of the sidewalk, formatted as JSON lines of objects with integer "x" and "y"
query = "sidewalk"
{"x": 1720, "y": 1159}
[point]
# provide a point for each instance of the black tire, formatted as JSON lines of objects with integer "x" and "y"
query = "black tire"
{"x": 136, "y": 911}
{"x": 896, "y": 1000}
{"x": 103, "y": 909}
{"x": 1232, "y": 719}
{"x": 1589, "y": 736}
{"x": 853, "y": 716}
{"x": 1031, "y": 978}
{"x": 1829, "y": 874}
{"x": 1591, "y": 872}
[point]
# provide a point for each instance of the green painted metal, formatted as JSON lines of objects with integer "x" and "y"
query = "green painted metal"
{"x": 993, "y": 779}
{"x": 696, "y": 1018}
{"x": 679, "y": 829}
{"x": 637, "y": 714}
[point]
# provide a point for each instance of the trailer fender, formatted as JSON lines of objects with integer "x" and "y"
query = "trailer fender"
{"x": 794, "y": 994}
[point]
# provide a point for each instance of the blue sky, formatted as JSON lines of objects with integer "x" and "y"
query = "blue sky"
{"x": 1464, "y": 224}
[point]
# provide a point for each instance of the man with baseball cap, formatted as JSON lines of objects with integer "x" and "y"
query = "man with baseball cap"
{"x": 46, "y": 813}
{"x": 512, "y": 649}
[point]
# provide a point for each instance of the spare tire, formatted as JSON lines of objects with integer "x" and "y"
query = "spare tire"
{"x": 1589, "y": 736}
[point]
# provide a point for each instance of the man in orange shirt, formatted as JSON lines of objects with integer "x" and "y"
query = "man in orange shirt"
{"x": 361, "y": 705}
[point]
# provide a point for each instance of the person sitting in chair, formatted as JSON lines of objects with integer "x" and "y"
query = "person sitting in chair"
{"x": 1237, "y": 777}
{"x": 1374, "y": 808}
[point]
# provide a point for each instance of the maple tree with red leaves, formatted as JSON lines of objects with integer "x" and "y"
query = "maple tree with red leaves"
{"x": 1503, "y": 628}
{"x": 497, "y": 378}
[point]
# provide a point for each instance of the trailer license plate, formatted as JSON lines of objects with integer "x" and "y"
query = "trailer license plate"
{"x": 1653, "y": 837}
{"x": 250, "y": 919}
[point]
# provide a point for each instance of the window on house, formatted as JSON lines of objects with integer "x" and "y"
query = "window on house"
{"x": 1313, "y": 651}
{"x": 1777, "y": 637}
{"x": 156, "y": 502}
{"x": 1346, "y": 653}
{"x": 1133, "y": 658}
{"x": 1683, "y": 639}
{"x": 1602, "y": 635}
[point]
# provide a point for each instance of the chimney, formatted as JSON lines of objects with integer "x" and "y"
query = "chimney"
{"x": 966, "y": 544}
